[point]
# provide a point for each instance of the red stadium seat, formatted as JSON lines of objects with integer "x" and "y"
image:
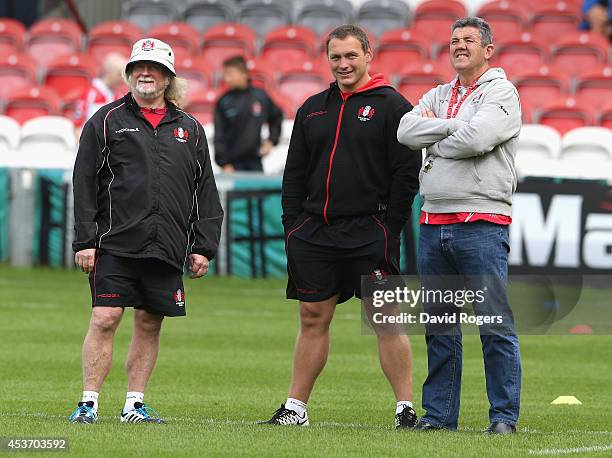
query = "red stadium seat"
{"x": 414, "y": 80}
{"x": 594, "y": 86}
{"x": 554, "y": 18}
{"x": 399, "y": 47}
{"x": 565, "y": 114}
{"x": 541, "y": 84}
{"x": 196, "y": 72}
{"x": 201, "y": 105}
{"x": 69, "y": 75}
{"x": 260, "y": 73}
{"x": 580, "y": 50}
{"x": 16, "y": 71}
{"x": 51, "y": 38}
{"x": 286, "y": 46}
{"x": 605, "y": 114}
{"x": 183, "y": 38}
{"x": 225, "y": 40}
{"x": 434, "y": 18}
{"x": 526, "y": 51}
{"x": 12, "y": 33}
{"x": 112, "y": 36}
{"x": 286, "y": 104}
{"x": 507, "y": 19}
{"x": 300, "y": 82}
{"x": 31, "y": 102}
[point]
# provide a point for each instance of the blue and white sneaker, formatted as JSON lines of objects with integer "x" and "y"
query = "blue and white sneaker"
{"x": 84, "y": 413}
{"x": 141, "y": 413}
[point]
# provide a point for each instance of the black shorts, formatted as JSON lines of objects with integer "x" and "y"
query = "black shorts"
{"x": 328, "y": 259}
{"x": 149, "y": 284}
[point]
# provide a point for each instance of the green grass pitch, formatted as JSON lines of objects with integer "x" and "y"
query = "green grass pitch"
{"x": 228, "y": 365}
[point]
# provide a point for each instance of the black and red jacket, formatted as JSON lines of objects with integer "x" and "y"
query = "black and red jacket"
{"x": 142, "y": 192}
{"x": 344, "y": 158}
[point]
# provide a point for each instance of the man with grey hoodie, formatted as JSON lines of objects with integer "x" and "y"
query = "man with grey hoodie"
{"x": 470, "y": 128}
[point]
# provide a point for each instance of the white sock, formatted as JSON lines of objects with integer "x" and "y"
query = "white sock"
{"x": 401, "y": 404}
{"x": 131, "y": 398}
{"x": 296, "y": 405}
{"x": 91, "y": 396}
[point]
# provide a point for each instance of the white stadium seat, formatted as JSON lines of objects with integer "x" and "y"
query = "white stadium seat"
{"x": 47, "y": 142}
{"x": 538, "y": 151}
{"x": 586, "y": 152}
{"x": 9, "y": 140}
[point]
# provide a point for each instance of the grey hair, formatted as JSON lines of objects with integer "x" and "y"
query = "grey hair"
{"x": 176, "y": 90}
{"x": 486, "y": 36}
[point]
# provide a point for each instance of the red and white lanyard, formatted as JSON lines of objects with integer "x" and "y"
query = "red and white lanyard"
{"x": 450, "y": 113}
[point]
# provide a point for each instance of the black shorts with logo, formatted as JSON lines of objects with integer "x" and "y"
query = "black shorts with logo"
{"x": 142, "y": 283}
{"x": 328, "y": 259}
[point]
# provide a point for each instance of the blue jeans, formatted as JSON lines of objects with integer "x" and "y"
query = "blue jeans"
{"x": 470, "y": 255}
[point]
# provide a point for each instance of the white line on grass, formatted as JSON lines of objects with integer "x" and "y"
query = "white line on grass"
{"x": 567, "y": 451}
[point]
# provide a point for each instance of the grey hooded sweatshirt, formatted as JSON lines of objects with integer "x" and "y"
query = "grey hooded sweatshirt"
{"x": 469, "y": 166}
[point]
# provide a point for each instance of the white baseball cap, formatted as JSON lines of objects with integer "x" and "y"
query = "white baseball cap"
{"x": 152, "y": 50}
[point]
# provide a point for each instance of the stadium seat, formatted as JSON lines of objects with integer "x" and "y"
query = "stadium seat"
{"x": 16, "y": 71}
{"x": 286, "y": 46}
{"x": 541, "y": 84}
{"x": 586, "y": 152}
{"x": 51, "y": 38}
{"x": 565, "y": 114}
{"x": 202, "y": 105}
{"x": 580, "y": 50}
{"x": 323, "y": 15}
{"x": 9, "y": 137}
{"x": 538, "y": 150}
{"x": 594, "y": 86}
{"x": 379, "y": 16}
{"x": 604, "y": 117}
{"x": 399, "y": 47}
{"x": 31, "y": 102}
{"x": 112, "y": 36}
{"x": 416, "y": 79}
{"x": 507, "y": 19}
{"x": 274, "y": 163}
{"x": 148, "y": 13}
{"x": 225, "y": 40}
{"x": 525, "y": 51}
{"x": 260, "y": 73}
{"x": 183, "y": 38}
{"x": 47, "y": 142}
{"x": 300, "y": 82}
{"x": 203, "y": 14}
{"x": 12, "y": 33}
{"x": 554, "y": 18}
{"x": 70, "y": 74}
{"x": 434, "y": 18}
{"x": 196, "y": 72}
{"x": 264, "y": 15}
{"x": 286, "y": 104}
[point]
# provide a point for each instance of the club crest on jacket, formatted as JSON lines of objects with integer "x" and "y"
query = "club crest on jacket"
{"x": 365, "y": 113}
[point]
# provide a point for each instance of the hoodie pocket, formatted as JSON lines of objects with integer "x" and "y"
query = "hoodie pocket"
{"x": 474, "y": 169}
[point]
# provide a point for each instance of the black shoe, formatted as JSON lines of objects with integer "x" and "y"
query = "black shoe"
{"x": 500, "y": 428}
{"x": 284, "y": 416}
{"x": 424, "y": 426}
{"x": 407, "y": 418}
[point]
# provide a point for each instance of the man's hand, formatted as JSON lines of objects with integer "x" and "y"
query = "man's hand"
{"x": 266, "y": 147}
{"x": 427, "y": 113}
{"x": 228, "y": 168}
{"x": 198, "y": 265}
{"x": 85, "y": 259}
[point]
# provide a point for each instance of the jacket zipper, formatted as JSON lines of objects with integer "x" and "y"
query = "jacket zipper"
{"x": 331, "y": 160}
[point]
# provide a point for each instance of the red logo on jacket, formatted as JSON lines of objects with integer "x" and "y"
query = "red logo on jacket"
{"x": 181, "y": 135}
{"x": 365, "y": 113}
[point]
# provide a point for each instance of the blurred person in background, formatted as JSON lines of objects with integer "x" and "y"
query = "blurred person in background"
{"x": 239, "y": 116}
{"x": 597, "y": 17}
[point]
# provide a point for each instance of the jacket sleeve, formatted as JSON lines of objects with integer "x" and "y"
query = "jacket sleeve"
{"x": 497, "y": 120}
{"x": 275, "y": 121}
{"x": 89, "y": 160}
{"x": 221, "y": 153}
{"x": 417, "y": 132}
{"x": 207, "y": 215}
{"x": 294, "y": 189}
{"x": 405, "y": 164}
